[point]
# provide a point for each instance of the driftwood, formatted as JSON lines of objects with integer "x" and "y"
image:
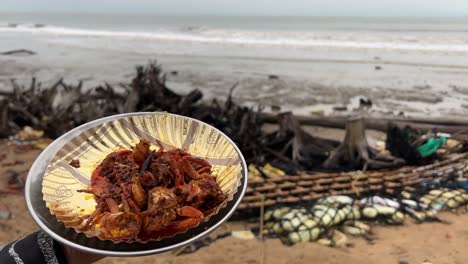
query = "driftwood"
{"x": 18, "y": 51}
{"x": 292, "y": 144}
{"x": 356, "y": 154}
{"x": 449, "y": 125}
{"x": 61, "y": 107}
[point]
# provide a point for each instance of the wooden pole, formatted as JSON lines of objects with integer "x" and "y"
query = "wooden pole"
{"x": 380, "y": 123}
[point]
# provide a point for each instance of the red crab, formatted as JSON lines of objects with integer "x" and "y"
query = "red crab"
{"x": 142, "y": 193}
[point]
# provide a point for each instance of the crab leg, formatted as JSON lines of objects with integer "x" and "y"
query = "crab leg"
{"x": 137, "y": 192}
{"x": 191, "y": 172}
{"x": 112, "y": 204}
{"x": 179, "y": 179}
{"x": 190, "y": 211}
{"x": 194, "y": 215}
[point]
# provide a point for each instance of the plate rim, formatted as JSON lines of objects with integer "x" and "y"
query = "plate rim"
{"x": 57, "y": 144}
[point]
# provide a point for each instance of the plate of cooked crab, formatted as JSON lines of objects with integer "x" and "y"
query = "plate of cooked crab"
{"x": 136, "y": 184}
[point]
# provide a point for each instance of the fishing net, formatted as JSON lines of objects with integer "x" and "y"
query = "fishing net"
{"x": 322, "y": 219}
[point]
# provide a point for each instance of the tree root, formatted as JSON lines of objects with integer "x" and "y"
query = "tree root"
{"x": 356, "y": 154}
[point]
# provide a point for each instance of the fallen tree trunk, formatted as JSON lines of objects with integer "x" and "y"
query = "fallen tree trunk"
{"x": 381, "y": 123}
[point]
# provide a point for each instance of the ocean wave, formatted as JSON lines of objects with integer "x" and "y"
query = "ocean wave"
{"x": 358, "y": 40}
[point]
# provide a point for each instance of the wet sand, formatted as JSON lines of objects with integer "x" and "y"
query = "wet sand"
{"x": 309, "y": 80}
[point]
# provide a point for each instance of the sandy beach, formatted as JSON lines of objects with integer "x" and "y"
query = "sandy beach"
{"x": 410, "y": 243}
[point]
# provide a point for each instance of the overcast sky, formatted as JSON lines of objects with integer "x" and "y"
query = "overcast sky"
{"x": 424, "y": 8}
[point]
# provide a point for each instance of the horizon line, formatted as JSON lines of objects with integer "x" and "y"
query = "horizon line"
{"x": 231, "y": 14}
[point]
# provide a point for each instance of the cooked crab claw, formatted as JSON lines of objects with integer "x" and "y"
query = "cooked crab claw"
{"x": 189, "y": 211}
{"x": 194, "y": 217}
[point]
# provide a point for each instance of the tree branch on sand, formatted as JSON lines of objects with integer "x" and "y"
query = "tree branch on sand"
{"x": 18, "y": 51}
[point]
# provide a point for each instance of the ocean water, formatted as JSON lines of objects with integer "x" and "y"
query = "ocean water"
{"x": 403, "y": 64}
{"x": 231, "y": 35}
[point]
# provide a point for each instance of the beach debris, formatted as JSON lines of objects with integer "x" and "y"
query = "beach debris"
{"x": 61, "y": 107}
{"x": 334, "y": 238}
{"x": 416, "y": 147}
{"x": 271, "y": 172}
{"x": 275, "y": 108}
{"x": 378, "y": 68}
{"x": 320, "y": 220}
{"x": 356, "y": 154}
{"x": 28, "y": 138}
{"x": 15, "y": 180}
{"x": 267, "y": 171}
{"x": 243, "y": 234}
{"x": 273, "y": 77}
{"x": 319, "y": 112}
{"x": 254, "y": 172}
{"x": 174, "y": 73}
{"x": 365, "y": 102}
{"x": 28, "y": 134}
{"x": 18, "y": 52}
{"x": 340, "y": 108}
{"x": 5, "y": 212}
{"x": 380, "y": 146}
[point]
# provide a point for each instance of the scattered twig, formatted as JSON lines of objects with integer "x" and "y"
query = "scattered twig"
{"x": 18, "y": 51}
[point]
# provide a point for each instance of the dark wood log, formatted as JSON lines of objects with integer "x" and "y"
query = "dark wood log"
{"x": 18, "y": 51}
{"x": 380, "y": 123}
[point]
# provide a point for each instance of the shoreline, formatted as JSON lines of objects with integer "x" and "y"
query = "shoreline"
{"x": 314, "y": 83}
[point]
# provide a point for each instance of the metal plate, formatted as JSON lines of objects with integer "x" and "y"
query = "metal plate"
{"x": 68, "y": 236}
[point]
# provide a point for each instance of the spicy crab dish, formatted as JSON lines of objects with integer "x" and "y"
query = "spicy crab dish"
{"x": 143, "y": 194}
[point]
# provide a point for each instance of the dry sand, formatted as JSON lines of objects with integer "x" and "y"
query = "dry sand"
{"x": 411, "y": 243}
